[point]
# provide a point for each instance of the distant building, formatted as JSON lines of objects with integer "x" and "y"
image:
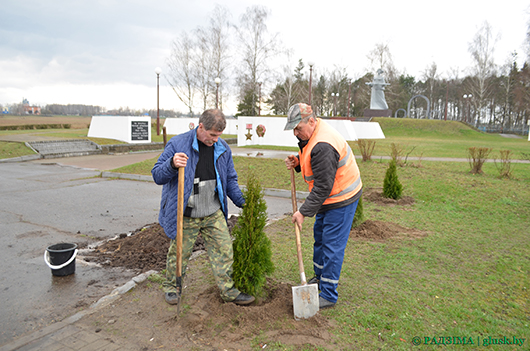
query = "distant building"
{"x": 30, "y": 110}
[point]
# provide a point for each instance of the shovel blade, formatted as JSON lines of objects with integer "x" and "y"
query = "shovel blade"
{"x": 305, "y": 301}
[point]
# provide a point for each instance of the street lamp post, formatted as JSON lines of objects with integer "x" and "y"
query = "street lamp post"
{"x": 158, "y": 70}
{"x": 259, "y": 99}
{"x": 349, "y": 98}
{"x": 467, "y": 97}
{"x": 335, "y": 96}
{"x": 311, "y": 64}
{"x": 217, "y": 82}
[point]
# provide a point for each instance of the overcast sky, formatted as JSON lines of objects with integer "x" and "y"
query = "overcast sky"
{"x": 104, "y": 52}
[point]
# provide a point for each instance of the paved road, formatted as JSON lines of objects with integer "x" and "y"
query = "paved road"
{"x": 44, "y": 205}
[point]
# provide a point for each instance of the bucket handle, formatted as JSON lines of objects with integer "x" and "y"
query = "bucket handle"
{"x": 47, "y": 260}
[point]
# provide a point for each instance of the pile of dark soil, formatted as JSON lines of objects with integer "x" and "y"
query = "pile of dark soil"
{"x": 144, "y": 249}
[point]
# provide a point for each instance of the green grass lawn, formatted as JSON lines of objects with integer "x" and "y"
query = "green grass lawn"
{"x": 434, "y": 138}
{"x": 468, "y": 277}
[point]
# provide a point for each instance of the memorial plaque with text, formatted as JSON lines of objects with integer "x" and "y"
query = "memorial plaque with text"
{"x": 139, "y": 130}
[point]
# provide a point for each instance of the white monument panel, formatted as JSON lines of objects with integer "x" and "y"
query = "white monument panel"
{"x": 264, "y": 131}
{"x": 130, "y": 129}
{"x": 368, "y": 130}
{"x": 175, "y": 126}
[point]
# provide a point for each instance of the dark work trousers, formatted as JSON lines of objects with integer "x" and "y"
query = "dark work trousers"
{"x": 331, "y": 231}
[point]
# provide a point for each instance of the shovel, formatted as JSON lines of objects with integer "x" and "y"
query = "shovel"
{"x": 180, "y": 218}
{"x": 305, "y": 296}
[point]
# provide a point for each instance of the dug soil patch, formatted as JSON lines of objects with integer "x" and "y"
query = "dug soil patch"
{"x": 375, "y": 195}
{"x": 205, "y": 321}
{"x": 381, "y": 231}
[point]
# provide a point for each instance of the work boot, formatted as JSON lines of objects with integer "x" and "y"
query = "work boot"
{"x": 172, "y": 298}
{"x": 313, "y": 280}
{"x": 323, "y": 303}
{"x": 243, "y": 299}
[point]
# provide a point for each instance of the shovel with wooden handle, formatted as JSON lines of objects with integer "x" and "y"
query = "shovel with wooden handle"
{"x": 305, "y": 296}
{"x": 180, "y": 218}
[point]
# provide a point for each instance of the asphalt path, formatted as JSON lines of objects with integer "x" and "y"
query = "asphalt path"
{"x": 44, "y": 205}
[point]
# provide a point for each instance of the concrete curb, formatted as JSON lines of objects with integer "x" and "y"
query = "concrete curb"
{"x": 21, "y": 158}
{"x": 300, "y": 195}
{"x": 102, "y": 302}
{"x": 127, "y": 176}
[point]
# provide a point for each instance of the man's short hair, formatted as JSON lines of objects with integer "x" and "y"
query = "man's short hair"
{"x": 213, "y": 119}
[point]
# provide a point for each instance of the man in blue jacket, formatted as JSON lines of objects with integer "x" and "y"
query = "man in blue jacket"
{"x": 210, "y": 178}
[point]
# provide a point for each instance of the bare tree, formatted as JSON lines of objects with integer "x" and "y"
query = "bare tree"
{"x": 181, "y": 74}
{"x": 257, "y": 47}
{"x": 220, "y": 29}
{"x": 203, "y": 66}
{"x": 431, "y": 78}
{"x": 282, "y": 96}
{"x": 380, "y": 57}
{"x": 482, "y": 48}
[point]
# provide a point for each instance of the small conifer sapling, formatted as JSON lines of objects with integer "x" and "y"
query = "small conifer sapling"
{"x": 392, "y": 188}
{"x": 252, "y": 247}
{"x": 358, "y": 218}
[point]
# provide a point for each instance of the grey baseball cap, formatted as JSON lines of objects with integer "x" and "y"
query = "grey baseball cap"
{"x": 296, "y": 114}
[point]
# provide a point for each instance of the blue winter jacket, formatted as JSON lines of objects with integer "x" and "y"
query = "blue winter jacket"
{"x": 164, "y": 174}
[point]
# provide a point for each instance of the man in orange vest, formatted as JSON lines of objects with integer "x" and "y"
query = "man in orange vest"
{"x": 329, "y": 168}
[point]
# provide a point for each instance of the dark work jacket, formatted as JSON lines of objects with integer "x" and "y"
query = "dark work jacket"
{"x": 324, "y": 163}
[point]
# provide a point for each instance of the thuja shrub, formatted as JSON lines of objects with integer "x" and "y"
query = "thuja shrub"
{"x": 477, "y": 156}
{"x": 367, "y": 148}
{"x": 252, "y": 247}
{"x": 392, "y": 188}
{"x": 358, "y": 219}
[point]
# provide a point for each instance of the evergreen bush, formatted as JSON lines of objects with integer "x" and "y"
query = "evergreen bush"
{"x": 392, "y": 188}
{"x": 252, "y": 248}
{"x": 358, "y": 219}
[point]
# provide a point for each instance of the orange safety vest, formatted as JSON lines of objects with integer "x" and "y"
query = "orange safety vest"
{"x": 348, "y": 178}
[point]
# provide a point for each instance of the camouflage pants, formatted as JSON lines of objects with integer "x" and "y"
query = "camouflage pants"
{"x": 217, "y": 240}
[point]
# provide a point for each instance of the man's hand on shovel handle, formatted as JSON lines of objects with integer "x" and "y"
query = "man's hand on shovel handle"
{"x": 180, "y": 159}
{"x": 291, "y": 162}
{"x": 298, "y": 218}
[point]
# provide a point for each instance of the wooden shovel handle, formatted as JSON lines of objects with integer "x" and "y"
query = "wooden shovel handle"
{"x": 297, "y": 231}
{"x": 180, "y": 218}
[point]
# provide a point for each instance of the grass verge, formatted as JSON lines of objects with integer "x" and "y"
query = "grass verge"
{"x": 468, "y": 278}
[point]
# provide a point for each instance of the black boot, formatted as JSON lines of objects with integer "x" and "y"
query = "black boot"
{"x": 243, "y": 299}
{"x": 313, "y": 280}
{"x": 172, "y": 298}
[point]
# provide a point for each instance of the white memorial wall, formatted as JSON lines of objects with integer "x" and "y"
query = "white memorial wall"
{"x": 175, "y": 126}
{"x": 269, "y": 130}
{"x": 130, "y": 129}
